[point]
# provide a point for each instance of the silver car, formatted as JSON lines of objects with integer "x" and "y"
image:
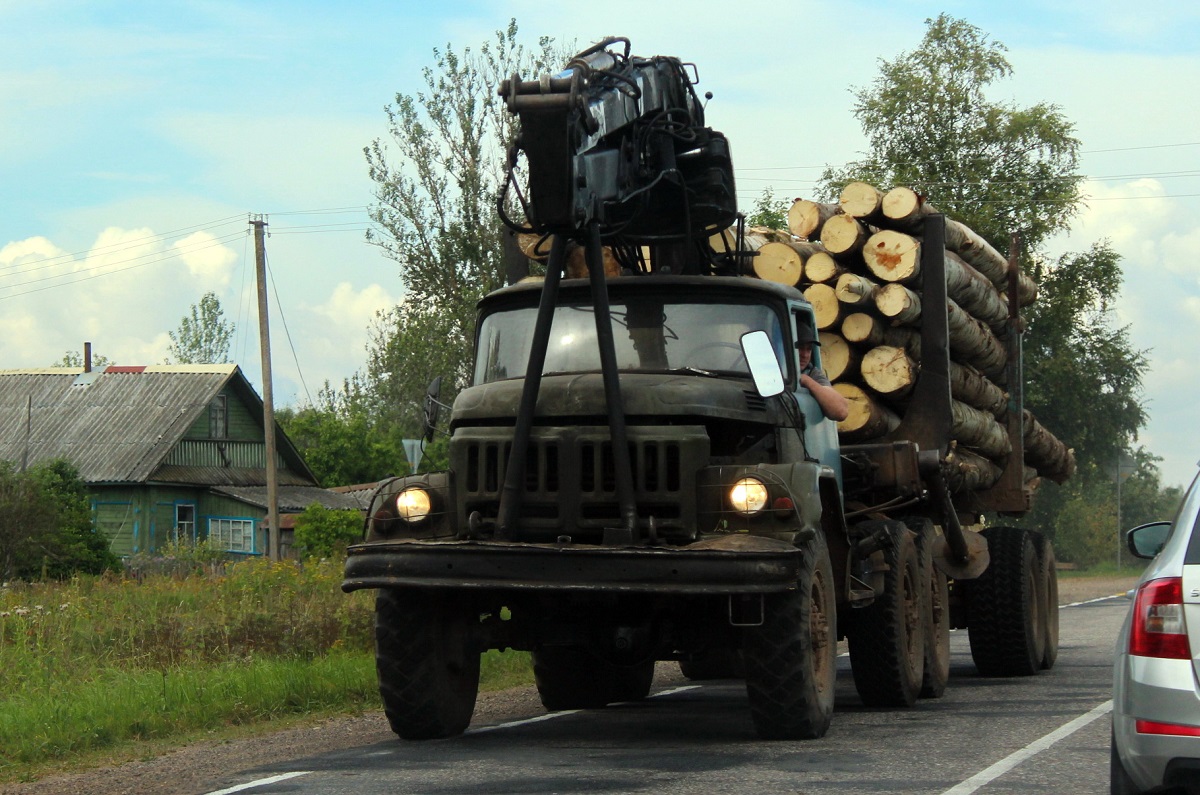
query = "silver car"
{"x": 1156, "y": 681}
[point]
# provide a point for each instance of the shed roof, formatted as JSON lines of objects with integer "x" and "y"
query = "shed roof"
{"x": 291, "y": 499}
{"x": 115, "y": 425}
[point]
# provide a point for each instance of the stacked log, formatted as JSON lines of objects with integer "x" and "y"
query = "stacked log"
{"x": 860, "y": 268}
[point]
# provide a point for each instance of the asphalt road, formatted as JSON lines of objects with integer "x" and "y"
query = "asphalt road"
{"x": 1043, "y": 734}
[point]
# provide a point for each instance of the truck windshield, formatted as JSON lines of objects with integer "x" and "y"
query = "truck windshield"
{"x": 649, "y": 335}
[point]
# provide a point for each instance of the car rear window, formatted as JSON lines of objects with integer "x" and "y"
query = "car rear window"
{"x": 1189, "y": 518}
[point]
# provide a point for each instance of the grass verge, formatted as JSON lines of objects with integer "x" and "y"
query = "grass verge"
{"x": 96, "y": 665}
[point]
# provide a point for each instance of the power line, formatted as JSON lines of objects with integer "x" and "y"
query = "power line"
{"x": 165, "y": 256}
{"x": 286, "y": 331}
{"x": 126, "y": 244}
{"x": 159, "y": 256}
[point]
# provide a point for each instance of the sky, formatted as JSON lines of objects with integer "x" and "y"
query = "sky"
{"x": 137, "y": 138}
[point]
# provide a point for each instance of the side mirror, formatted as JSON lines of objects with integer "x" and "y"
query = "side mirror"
{"x": 763, "y": 364}
{"x": 432, "y": 408}
{"x": 1147, "y": 540}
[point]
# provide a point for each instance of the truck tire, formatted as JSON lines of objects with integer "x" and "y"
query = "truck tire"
{"x": 1048, "y": 582}
{"x": 631, "y": 682}
{"x": 887, "y": 638}
{"x": 569, "y": 677}
{"x": 1005, "y": 616}
{"x": 937, "y": 623}
{"x": 714, "y": 664}
{"x": 427, "y": 660}
{"x": 791, "y": 658}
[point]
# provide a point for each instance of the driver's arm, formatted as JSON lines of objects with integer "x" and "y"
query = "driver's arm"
{"x": 833, "y": 404}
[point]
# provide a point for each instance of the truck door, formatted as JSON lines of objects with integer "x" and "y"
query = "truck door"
{"x": 820, "y": 434}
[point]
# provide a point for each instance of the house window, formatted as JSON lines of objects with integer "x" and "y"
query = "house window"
{"x": 232, "y": 535}
{"x": 185, "y": 523}
{"x": 218, "y": 418}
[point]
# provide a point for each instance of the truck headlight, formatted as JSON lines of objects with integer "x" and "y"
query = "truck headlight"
{"x": 748, "y": 496}
{"x": 413, "y": 504}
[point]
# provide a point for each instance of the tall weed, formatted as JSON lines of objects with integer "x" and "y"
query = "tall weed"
{"x": 174, "y": 647}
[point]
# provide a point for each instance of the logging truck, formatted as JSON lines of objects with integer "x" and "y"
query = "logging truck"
{"x": 636, "y": 474}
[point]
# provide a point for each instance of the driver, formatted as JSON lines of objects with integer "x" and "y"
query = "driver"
{"x": 813, "y": 378}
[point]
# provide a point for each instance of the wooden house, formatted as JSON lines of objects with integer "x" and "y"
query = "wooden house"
{"x": 167, "y": 452}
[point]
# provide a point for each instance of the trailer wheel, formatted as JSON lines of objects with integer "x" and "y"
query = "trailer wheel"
{"x": 427, "y": 660}
{"x": 1005, "y": 614}
{"x": 1048, "y": 583}
{"x": 887, "y": 639}
{"x": 631, "y": 683}
{"x": 791, "y": 658}
{"x": 937, "y": 624}
{"x": 570, "y": 678}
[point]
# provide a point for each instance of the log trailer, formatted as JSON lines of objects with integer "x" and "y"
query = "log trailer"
{"x": 636, "y": 475}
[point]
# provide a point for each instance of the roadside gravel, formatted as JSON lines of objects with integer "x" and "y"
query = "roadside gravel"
{"x": 207, "y": 766}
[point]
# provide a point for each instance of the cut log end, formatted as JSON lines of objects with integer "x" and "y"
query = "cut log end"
{"x": 893, "y": 256}
{"x": 860, "y": 200}
{"x": 825, "y": 305}
{"x": 778, "y": 262}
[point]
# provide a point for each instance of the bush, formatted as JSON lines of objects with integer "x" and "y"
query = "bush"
{"x": 45, "y": 525}
{"x": 324, "y": 532}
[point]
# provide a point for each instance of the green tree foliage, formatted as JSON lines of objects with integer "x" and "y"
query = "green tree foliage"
{"x": 75, "y": 359}
{"x": 1085, "y": 522}
{"x": 79, "y": 547}
{"x": 997, "y": 167}
{"x": 409, "y": 346}
{"x": 768, "y": 211}
{"x": 1084, "y": 526}
{"x": 45, "y": 525}
{"x": 436, "y": 179}
{"x": 1000, "y": 169}
{"x": 204, "y": 337}
{"x": 1083, "y": 377}
{"x": 341, "y": 442}
{"x": 324, "y": 532}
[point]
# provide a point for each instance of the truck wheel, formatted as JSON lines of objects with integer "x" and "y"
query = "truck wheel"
{"x": 570, "y": 678}
{"x": 1048, "y": 582}
{"x": 1005, "y": 615}
{"x": 714, "y": 664}
{"x": 427, "y": 661}
{"x": 937, "y": 624}
{"x": 791, "y": 658}
{"x": 887, "y": 640}
{"x": 631, "y": 683}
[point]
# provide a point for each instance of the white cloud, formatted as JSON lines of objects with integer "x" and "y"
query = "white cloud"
{"x": 1191, "y": 305}
{"x": 336, "y": 347}
{"x": 209, "y": 262}
{"x": 122, "y": 294}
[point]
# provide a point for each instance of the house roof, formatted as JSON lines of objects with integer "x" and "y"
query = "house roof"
{"x": 291, "y": 499}
{"x": 361, "y": 493}
{"x": 115, "y": 425}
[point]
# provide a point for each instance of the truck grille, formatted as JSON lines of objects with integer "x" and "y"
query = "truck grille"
{"x": 570, "y": 482}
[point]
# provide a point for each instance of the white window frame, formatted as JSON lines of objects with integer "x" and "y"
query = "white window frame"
{"x": 232, "y": 535}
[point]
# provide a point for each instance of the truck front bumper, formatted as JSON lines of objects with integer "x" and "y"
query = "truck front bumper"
{"x": 726, "y": 565}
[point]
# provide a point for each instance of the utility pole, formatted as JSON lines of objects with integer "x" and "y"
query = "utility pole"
{"x": 259, "y": 223}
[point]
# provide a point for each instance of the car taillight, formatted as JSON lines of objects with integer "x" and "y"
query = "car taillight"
{"x": 1172, "y": 729}
{"x": 1158, "y": 627}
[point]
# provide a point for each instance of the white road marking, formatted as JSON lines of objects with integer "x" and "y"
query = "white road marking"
{"x": 262, "y": 782}
{"x": 561, "y": 713}
{"x": 1098, "y": 599}
{"x": 674, "y": 690}
{"x": 523, "y": 722}
{"x": 1006, "y": 764}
